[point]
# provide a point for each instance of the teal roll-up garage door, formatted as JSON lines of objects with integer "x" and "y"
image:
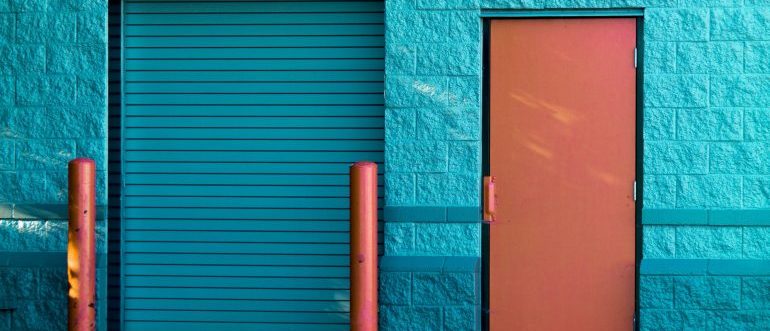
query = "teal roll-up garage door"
{"x": 240, "y": 121}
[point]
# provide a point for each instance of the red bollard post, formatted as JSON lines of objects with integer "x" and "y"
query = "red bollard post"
{"x": 81, "y": 245}
{"x": 363, "y": 246}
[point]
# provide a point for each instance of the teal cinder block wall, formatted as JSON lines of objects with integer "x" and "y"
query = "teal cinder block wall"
{"x": 706, "y": 163}
{"x": 53, "y": 92}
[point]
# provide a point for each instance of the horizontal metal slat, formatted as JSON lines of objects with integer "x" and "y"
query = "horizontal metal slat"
{"x": 255, "y": 64}
{"x": 255, "y": 30}
{"x": 256, "y": 7}
{"x": 255, "y": 76}
{"x": 236, "y": 248}
{"x": 256, "y": 41}
{"x": 255, "y": 53}
{"x": 237, "y": 259}
{"x": 235, "y": 213}
{"x": 239, "y": 168}
{"x": 255, "y": 145}
{"x": 240, "y": 305}
{"x": 238, "y": 225}
{"x": 266, "y": 19}
{"x": 254, "y": 99}
{"x": 238, "y": 202}
{"x": 245, "y": 271}
{"x": 230, "y": 326}
{"x": 221, "y": 133}
{"x": 256, "y": 87}
{"x": 238, "y": 110}
{"x": 255, "y": 122}
{"x": 236, "y": 316}
{"x": 237, "y": 282}
{"x": 242, "y": 156}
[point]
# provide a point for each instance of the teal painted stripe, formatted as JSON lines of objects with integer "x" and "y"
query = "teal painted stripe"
{"x": 502, "y": 13}
{"x": 41, "y": 260}
{"x": 740, "y": 217}
{"x": 432, "y": 214}
{"x": 705, "y": 267}
{"x": 674, "y": 216}
{"x": 734, "y": 217}
{"x": 673, "y": 267}
{"x": 430, "y": 264}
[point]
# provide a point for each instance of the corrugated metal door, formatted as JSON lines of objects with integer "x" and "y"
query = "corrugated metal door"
{"x": 240, "y": 121}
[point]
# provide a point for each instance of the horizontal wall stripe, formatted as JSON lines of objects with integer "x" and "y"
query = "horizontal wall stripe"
{"x": 735, "y": 217}
{"x": 42, "y": 259}
{"x": 430, "y": 264}
{"x": 705, "y": 267}
{"x": 432, "y": 214}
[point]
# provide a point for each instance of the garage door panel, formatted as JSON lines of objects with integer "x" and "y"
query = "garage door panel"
{"x": 241, "y": 120}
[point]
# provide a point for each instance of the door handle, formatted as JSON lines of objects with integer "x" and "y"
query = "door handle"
{"x": 490, "y": 200}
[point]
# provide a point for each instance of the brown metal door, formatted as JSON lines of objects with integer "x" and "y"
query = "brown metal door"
{"x": 562, "y": 149}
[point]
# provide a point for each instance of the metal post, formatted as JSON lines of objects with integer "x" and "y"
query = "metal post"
{"x": 81, "y": 248}
{"x": 363, "y": 246}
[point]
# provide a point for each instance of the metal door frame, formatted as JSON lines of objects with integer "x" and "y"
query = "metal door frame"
{"x": 487, "y": 16}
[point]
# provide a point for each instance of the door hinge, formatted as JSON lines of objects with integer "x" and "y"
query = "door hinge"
{"x": 634, "y": 190}
{"x": 490, "y": 200}
{"x": 635, "y": 56}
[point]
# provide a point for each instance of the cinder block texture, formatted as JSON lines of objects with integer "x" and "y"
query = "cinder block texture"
{"x": 53, "y": 97}
{"x": 706, "y": 139}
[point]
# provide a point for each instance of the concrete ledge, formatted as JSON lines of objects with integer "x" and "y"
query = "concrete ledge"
{"x": 735, "y": 217}
{"x": 432, "y": 214}
{"x": 43, "y": 211}
{"x": 705, "y": 267}
{"x": 471, "y": 264}
{"x": 42, "y": 260}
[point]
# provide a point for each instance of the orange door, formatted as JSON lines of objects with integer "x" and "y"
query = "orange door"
{"x": 562, "y": 149}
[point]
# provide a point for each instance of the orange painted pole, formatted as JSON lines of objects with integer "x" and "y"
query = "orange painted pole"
{"x": 81, "y": 245}
{"x": 363, "y": 246}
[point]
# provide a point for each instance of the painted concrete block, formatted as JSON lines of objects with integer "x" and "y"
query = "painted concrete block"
{"x": 660, "y": 57}
{"x": 713, "y": 124}
{"x": 399, "y": 238}
{"x": 400, "y": 58}
{"x": 398, "y": 318}
{"x": 659, "y": 124}
{"x": 44, "y": 154}
{"x": 435, "y": 289}
{"x": 465, "y": 157}
{"x": 417, "y": 156}
{"x": 757, "y": 54}
{"x": 656, "y": 292}
{"x": 416, "y": 91}
{"x": 698, "y": 292}
{"x": 740, "y": 91}
{"x": 395, "y": 288}
{"x": 677, "y": 24}
{"x": 659, "y": 242}
{"x": 401, "y": 191}
{"x": 437, "y": 239}
{"x": 756, "y": 123}
{"x": 751, "y": 23}
{"x": 710, "y": 57}
{"x": 659, "y": 191}
{"x": 713, "y": 191}
{"x": 709, "y": 242}
{"x": 672, "y": 320}
{"x": 743, "y": 158}
{"x": 676, "y": 90}
{"x": 755, "y": 241}
{"x": 676, "y": 158}
{"x": 448, "y": 189}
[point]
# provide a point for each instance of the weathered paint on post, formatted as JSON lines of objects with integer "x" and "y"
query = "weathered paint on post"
{"x": 363, "y": 246}
{"x": 81, "y": 246}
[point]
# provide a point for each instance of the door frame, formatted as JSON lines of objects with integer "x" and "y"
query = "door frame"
{"x": 487, "y": 17}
